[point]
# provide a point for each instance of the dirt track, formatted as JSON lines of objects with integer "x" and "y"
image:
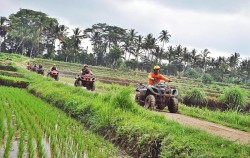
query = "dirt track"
{"x": 215, "y": 129}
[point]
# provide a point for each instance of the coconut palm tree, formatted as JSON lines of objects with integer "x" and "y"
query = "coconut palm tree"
{"x": 204, "y": 58}
{"x": 186, "y": 56}
{"x": 164, "y": 37}
{"x": 76, "y": 37}
{"x": 194, "y": 58}
{"x": 233, "y": 62}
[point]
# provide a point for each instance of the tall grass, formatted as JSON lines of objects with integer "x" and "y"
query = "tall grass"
{"x": 122, "y": 99}
{"x": 196, "y": 97}
{"x": 234, "y": 97}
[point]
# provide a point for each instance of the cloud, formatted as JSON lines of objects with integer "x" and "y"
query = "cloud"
{"x": 221, "y": 25}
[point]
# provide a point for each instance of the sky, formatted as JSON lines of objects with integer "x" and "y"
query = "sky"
{"x": 221, "y": 26}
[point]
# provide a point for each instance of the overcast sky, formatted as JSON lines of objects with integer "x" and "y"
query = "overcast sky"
{"x": 222, "y": 26}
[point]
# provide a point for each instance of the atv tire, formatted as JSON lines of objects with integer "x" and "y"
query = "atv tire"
{"x": 57, "y": 78}
{"x": 77, "y": 83}
{"x": 173, "y": 105}
{"x": 150, "y": 102}
{"x": 161, "y": 107}
{"x": 92, "y": 87}
{"x": 137, "y": 99}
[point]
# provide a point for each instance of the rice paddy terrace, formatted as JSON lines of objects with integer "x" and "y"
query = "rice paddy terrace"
{"x": 43, "y": 118}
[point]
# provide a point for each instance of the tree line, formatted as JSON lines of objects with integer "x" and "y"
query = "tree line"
{"x": 35, "y": 34}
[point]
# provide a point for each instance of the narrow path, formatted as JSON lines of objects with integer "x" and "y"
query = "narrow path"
{"x": 216, "y": 129}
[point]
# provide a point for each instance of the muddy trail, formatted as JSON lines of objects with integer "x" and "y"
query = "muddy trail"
{"x": 235, "y": 135}
{"x": 213, "y": 128}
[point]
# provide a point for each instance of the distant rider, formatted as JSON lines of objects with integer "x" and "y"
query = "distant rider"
{"x": 155, "y": 77}
{"x": 86, "y": 70}
{"x": 40, "y": 67}
{"x": 53, "y": 67}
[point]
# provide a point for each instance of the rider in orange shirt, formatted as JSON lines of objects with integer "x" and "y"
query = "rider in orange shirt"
{"x": 155, "y": 77}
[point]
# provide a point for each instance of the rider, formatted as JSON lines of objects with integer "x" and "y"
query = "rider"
{"x": 86, "y": 70}
{"x": 53, "y": 67}
{"x": 40, "y": 66}
{"x": 155, "y": 77}
{"x": 29, "y": 65}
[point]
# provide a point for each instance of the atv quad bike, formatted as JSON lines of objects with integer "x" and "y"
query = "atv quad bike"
{"x": 86, "y": 80}
{"x": 54, "y": 74}
{"x": 157, "y": 97}
{"x": 40, "y": 71}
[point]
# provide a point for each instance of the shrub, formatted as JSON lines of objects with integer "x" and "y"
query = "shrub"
{"x": 234, "y": 97}
{"x": 196, "y": 97}
{"x": 207, "y": 78}
{"x": 123, "y": 99}
{"x": 192, "y": 73}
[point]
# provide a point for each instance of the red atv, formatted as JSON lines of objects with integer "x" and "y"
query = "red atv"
{"x": 54, "y": 74}
{"x": 29, "y": 66}
{"x": 86, "y": 80}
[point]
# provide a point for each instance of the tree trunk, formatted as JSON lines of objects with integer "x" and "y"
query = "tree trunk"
{"x": 66, "y": 59}
{"x": 19, "y": 45}
{"x": 129, "y": 56}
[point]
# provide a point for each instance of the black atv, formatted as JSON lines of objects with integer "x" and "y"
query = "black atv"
{"x": 40, "y": 71}
{"x": 157, "y": 97}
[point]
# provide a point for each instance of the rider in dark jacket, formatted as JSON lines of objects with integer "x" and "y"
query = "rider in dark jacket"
{"x": 86, "y": 70}
{"x": 53, "y": 67}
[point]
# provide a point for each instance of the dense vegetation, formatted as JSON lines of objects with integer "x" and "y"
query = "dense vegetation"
{"x": 138, "y": 131}
{"x": 35, "y": 34}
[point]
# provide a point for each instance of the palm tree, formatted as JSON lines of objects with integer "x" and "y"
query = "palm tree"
{"x": 234, "y": 62}
{"x": 178, "y": 53}
{"x": 138, "y": 45}
{"x": 204, "y": 58}
{"x": 132, "y": 40}
{"x": 194, "y": 57}
{"x": 76, "y": 37}
{"x": 186, "y": 56}
{"x": 169, "y": 54}
{"x": 164, "y": 37}
{"x": 245, "y": 68}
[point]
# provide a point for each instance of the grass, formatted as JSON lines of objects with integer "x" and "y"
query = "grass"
{"x": 133, "y": 127}
{"x": 234, "y": 97}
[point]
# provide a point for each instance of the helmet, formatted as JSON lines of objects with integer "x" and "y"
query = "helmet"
{"x": 85, "y": 65}
{"x": 156, "y": 67}
{"x": 54, "y": 64}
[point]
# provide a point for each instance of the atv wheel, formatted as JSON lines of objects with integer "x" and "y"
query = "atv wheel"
{"x": 150, "y": 102}
{"x": 161, "y": 107}
{"x": 77, "y": 83}
{"x": 137, "y": 99}
{"x": 57, "y": 78}
{"x": 173, "y": 105}
{"x": 92, "y": 87}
